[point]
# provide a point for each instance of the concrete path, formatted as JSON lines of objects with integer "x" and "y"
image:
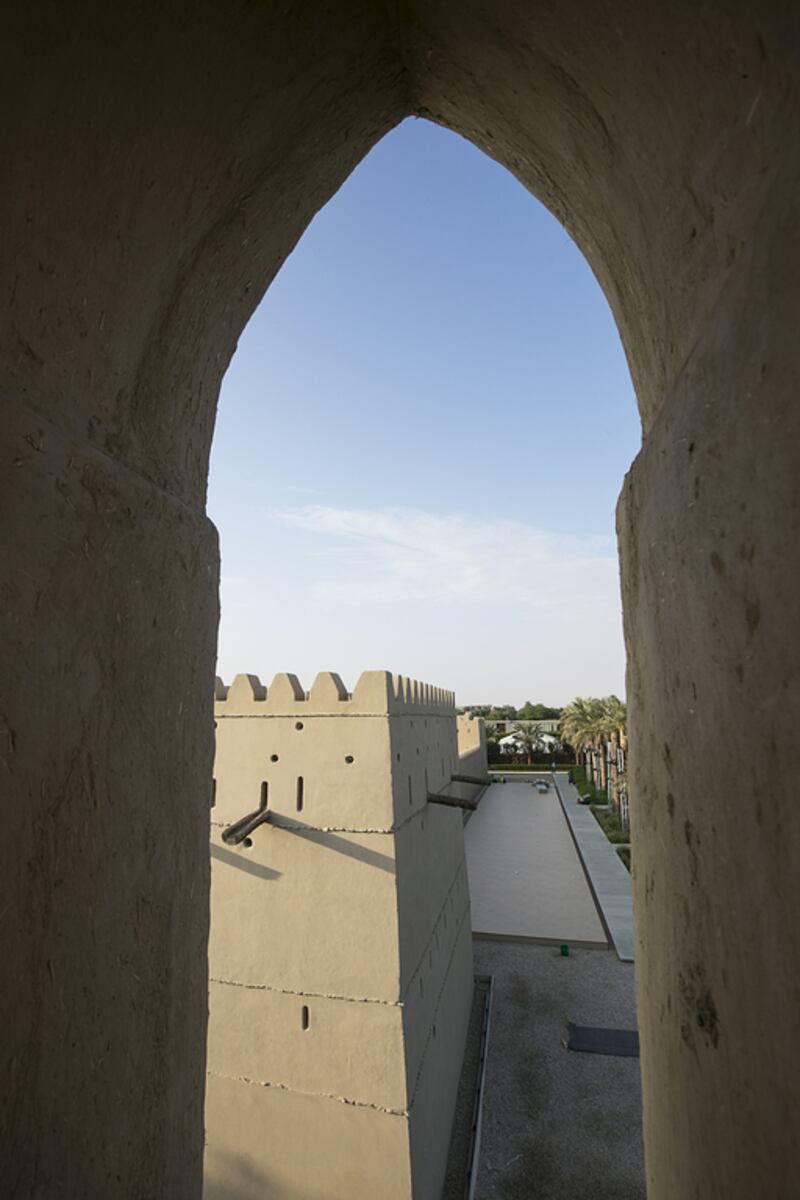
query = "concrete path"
{"x": 525, "y": 878}
{"x": 609, "y": 878}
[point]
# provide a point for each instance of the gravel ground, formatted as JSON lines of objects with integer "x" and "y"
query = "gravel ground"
{"x": 558, "y": 1125}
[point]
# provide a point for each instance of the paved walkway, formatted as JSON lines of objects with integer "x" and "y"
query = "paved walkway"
{"x": 610, "y": 881}
{"x": 525, "y": 878}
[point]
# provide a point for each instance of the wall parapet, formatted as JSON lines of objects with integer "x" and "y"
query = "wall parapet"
{"x": 379, "y": 692}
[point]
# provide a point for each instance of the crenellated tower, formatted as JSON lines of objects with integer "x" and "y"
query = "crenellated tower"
{"x": 340, "y": 954}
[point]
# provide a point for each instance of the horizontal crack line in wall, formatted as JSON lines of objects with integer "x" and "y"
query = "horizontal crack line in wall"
{"x": 284, "y": 1087}
{"x": 277, "y": 822}
{"x": 266, "y": 987}
{"x": 289, "y": 825}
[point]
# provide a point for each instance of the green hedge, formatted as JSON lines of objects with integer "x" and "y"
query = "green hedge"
{"x": 585, "y": 785}
{"x": 609, "y": 822}
{"x": 625, "y": 854}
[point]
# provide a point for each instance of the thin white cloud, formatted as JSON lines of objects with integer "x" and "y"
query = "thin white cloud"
{"x": 393, "y": 555}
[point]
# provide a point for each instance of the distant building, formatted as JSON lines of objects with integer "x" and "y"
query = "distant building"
{"x": 512, "y": 743}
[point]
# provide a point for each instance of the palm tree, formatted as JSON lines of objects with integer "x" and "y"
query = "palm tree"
{"x": 588, "y": 724}
{"x": 529, "y": 737}
{"x": 579, "y": 724}
{"x": 616, "y": 719}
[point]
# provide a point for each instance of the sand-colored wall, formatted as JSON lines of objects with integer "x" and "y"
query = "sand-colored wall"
{"x": 340, "y": 978}
{"x": 161, "y": 160}
{"x": 472, "y": 756}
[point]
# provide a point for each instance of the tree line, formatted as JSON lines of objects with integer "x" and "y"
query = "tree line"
{"x": 508, "y": 712}
{"x": 597, "y": 730}
{"x": 592, "y": 733}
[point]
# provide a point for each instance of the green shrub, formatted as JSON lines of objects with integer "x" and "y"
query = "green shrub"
{"x": 609, "y": 822}
{"x": 625, "y": 854}
{"x": 585, "y": 785}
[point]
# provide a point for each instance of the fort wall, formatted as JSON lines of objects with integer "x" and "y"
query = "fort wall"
{"x": 471, "y": 735}
{"x": 340, "y": 953}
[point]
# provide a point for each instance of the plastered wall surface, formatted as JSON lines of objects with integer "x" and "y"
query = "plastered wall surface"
{"x": 162, "y": 160}
{"x": 703, "y": 524}
{"x": 473, "y": 761}
{"x": 340, "y": 954}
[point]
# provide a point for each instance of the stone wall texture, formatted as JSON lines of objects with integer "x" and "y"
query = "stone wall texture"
{"x": 160, "y": 162}
{"x": 341, "y": 944}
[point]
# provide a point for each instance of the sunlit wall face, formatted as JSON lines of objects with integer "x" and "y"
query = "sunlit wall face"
{"x": 421, "y": 440}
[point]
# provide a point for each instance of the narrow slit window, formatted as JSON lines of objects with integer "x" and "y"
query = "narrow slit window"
{"x": 410, "y": 792}
{"x": 299, "y": 793}
{"x": 305, "y": 1020}
{"x": 264, "y": 795}
{"x": 213, "y": 792}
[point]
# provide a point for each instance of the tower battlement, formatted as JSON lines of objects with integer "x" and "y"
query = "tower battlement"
{"x": 375, "y": 692}
{"x": 340, "y": 951}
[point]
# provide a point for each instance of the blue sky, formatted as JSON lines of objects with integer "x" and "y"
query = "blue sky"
{"x": 421, "y": 439}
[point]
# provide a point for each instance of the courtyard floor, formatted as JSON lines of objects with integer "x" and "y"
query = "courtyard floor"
{"x": 525, "y": 877}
